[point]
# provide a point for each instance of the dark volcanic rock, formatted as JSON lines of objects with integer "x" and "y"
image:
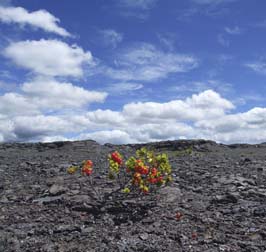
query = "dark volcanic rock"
{"x": 217, "y": 201}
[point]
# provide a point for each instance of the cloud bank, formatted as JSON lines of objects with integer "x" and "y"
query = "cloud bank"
{"x": 203, "y": 115}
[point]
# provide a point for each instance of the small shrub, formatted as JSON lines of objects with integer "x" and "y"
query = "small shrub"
{"x": 143, "y": 173}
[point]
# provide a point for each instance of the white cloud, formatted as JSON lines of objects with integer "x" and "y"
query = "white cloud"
{"x": 49, "y": 57}
{"x": 111, "y": 37}
{"x": 207, "y": 104}
{"x": 258, "y": 67}
{"x": 111, "y": 136}
{"x": 28, "y": 128}
{"x": 207, "y": 99}
{"x": 150, "y": 132}
{"x": 233, "y": 30}
{"x": 241, "y": 127}
{"x": 44, "y": 95}
{"x": 49, "y": 139}
{"x": 251, "y": 136}
{"x": 40, "y": 19}
{"x": 50, "y": 94}
{"x": 255, "y": 116}
{"x": 145, "y": 62}
{"x": 6, "y": 130}
{"x": 105, "y": 118}
{"x": 27, "y": 110}
{"x": 12, "y": 104}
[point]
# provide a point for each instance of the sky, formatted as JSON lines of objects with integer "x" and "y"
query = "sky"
{"x": 133, "y": 71}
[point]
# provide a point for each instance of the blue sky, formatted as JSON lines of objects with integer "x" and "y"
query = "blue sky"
{"x": 128, "y": 71}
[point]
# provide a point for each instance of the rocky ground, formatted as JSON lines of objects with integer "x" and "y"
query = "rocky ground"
{"x": 219, "y": 191}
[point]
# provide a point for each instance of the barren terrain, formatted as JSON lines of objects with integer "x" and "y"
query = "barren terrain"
{"x": 220, "y": 191}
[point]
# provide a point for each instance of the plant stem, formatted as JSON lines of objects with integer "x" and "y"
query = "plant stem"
{"x": 94, "y": 189}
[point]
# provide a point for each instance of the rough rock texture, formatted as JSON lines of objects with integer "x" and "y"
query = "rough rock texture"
{"x": 217, "y": 201}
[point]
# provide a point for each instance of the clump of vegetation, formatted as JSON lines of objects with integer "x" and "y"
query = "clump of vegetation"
{"x": 143, "y": 173}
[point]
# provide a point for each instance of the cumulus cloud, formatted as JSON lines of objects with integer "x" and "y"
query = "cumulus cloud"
{"x": 136, "y": 122}
{"x": 28, "y": 127}
{"x": 39, "y": 19}
{"x": 255, "y": 116}
{"x": 204, "y": 115}
{"x": 145, "y": 62}
{"x": 108, "y": 117}
{"x": 207, "y": 104}
{"x": 12, "y": 104}
{"x": 240, "y": 127}
{"x": 49, "y": 57}
{"x": 111, "y": 136}
{"x": 6, "y": 130}
{"x": 111, "y": 37}
{"x": 165, "y": 130}
{"x": 27, "y": 112}
{"x": 51, "y": 94}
